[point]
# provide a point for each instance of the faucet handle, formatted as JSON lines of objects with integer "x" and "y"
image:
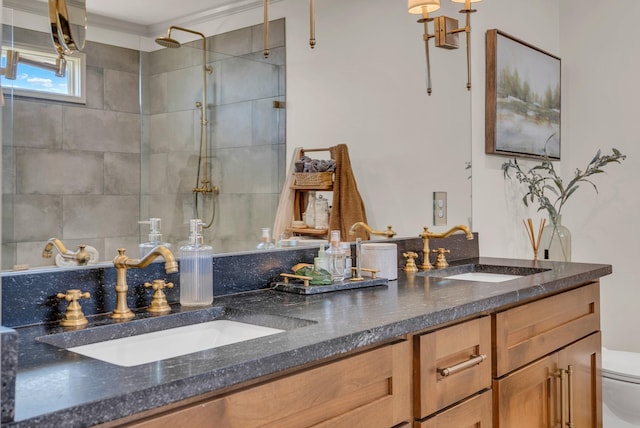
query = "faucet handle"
{"x": 73, "y": 317}
{"x": 441, "y": 261}
{"x": 411, "y": 257}
{"x": 159, "y": 304}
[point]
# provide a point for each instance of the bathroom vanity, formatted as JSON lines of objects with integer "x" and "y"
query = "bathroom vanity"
{"x": 422, "y": 351}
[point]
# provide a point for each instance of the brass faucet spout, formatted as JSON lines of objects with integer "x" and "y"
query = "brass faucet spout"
{"x": 81, "y": 256}
{"x": 389, "y": 233}
{"x": 426, "y": 235}
{"x": 122, "y": 263}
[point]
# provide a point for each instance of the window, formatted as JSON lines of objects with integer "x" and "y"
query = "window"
{"x": 41, "y": 81}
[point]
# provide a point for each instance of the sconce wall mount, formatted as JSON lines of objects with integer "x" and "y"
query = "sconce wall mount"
{"x": 446, "y": 30}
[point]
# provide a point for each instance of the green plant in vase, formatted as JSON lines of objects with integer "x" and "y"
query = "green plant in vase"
{"x": 543, "y": 180}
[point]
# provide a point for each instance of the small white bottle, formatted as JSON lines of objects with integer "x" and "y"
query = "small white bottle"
{"x": 155, "y": 237}
{"x": 265, "y": 240}
{"x": 196, "y": 269}
{"x": 336, "y": 257}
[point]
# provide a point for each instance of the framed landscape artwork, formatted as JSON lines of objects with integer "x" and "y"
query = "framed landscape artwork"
{"x": 522, "y": 99}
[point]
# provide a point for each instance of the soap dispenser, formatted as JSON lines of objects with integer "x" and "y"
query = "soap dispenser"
{"x": 196, "y": 269}
{"x": 155, "y": 237}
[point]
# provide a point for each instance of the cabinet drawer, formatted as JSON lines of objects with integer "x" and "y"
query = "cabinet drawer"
{"x": 371, "y": 389}
{"x": 530, "y": 331}
{"x": 465, "y": 349}
{"x": 475, "y": 412}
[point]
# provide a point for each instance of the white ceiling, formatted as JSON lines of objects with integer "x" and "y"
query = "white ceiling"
{"x": 152, "y": 12}
{"x": 146, "y": 17}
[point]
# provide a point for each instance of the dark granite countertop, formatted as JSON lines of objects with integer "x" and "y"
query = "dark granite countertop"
{"x": 56, "y": 387}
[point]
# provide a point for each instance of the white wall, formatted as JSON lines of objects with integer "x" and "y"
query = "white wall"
{"x": 600, "y": 110}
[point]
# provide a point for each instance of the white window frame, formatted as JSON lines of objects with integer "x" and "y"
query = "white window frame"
{"x": 75, "y": 74}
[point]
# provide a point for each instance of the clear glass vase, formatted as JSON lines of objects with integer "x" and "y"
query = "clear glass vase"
{"x": 555, "y": 243}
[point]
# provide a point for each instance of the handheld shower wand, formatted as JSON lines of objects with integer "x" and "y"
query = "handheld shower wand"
{"x": 203, "y": 185}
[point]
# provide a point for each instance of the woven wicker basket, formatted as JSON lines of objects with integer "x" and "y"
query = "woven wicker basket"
{"x": 314, "y": 178}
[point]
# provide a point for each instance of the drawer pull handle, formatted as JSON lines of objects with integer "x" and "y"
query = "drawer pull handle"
{"x": 473, "y": 361}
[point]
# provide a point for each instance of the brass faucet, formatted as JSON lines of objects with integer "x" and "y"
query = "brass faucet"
{"x": 122, "y": 263}
{"x": 389, "y": 233}
{"x": 426, "y": 235}
{"x": 81, "y": 256}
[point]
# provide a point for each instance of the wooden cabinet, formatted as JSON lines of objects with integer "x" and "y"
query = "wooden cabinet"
{"x": 370, "y": 389}
{"x": 532, "y": 365}
{"x": 450, "y": 365}
{"x": 547, "y": 365}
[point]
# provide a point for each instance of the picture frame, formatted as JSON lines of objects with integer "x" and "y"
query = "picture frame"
{"x": 522, "y": 102}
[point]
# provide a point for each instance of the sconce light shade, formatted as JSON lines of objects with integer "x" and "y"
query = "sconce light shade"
{"x": 417, "y": 6}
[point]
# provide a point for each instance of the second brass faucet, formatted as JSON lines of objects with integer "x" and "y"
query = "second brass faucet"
{"x": 426, "y": 235}
{"x": 389, "y": 233}
{"x": 122, "y": 263}
{"x": 81, "y": 257}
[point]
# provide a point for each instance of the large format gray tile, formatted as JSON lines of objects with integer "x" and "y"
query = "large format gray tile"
{"x": 177, "y": 131}
{"x": 121, "y": 91}
{"x": 112, "y": 57}
{"x": 247, "y": 169}
{"x": 53, "y": 172}
{"x": 231, "y": 124}
{"x": 99, "y": 216}
{"x": 36, "y": 124}
{"x": 95, "y": 88}
{"x": 121, "y": 174}
{"x": 242, "y": 79}
{"x": 37, "y": 217}
{"x": 105, "y": 131}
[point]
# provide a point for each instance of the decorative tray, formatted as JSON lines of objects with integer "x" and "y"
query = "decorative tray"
{"x": 299, "y": 287}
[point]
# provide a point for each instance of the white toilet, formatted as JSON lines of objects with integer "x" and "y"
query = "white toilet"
{"x": 620, "y": 389}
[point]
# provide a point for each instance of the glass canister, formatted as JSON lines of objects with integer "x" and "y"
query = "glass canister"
{"x": 322, "y": 213}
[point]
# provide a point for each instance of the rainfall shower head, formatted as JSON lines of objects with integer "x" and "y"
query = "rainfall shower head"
{"x": 168, "y": 42}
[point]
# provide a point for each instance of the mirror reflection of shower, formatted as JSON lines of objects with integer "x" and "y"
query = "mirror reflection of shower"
{"x": 203, "y": 185}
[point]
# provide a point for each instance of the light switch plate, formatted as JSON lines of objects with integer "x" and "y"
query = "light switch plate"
{"x": 439, "y": 208}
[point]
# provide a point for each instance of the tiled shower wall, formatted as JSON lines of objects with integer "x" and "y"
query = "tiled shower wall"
{"x": 245, "y": 133}
{"x": 74, "y": 171}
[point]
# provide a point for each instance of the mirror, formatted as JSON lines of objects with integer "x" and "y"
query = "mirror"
{"x": 331, "y": 98}
{"x": 68, "y": 20}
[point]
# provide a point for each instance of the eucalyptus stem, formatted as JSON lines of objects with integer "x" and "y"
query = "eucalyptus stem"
{"x": 542, "y": 179}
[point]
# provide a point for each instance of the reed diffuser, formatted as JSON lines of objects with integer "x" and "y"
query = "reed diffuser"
{"x": 534, "y": 238}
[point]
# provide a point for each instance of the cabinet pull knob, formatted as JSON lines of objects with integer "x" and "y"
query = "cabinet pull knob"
{"x": 473, "y": 361}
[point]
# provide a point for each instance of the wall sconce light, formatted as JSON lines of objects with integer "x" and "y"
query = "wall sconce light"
{"x": 445, "y": 30}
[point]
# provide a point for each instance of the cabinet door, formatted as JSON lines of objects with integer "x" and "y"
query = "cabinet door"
{"x": 528, "y": 332}
{"x": 529, "y": 397}
{"x": 474, "y": 412}
{"x": 583, "y": 401}
{"x": 451, "y": 364}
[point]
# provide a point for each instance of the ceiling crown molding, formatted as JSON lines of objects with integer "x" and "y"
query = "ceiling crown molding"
{"x": 40, "y": 8}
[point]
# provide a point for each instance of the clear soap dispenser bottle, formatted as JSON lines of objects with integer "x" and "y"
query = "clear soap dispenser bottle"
{"x": 265, "y": 240}
{"x": 337, "y": 257}
{"x": 196, "y": 269}
{"x": 155, "y": 237}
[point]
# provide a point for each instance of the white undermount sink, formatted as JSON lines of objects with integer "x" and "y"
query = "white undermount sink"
{"x": 483, "y": 277}
{"x": 173, "y": 342}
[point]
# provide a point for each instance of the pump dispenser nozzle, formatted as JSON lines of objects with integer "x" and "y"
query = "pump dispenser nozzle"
{"x": 155, "y": 237}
